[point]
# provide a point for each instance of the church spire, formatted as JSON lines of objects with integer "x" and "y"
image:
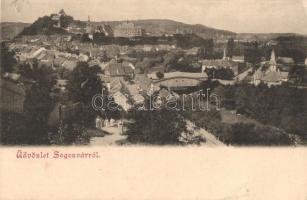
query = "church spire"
{"x": 273, "y": 58}
{"x": 224, "y": 54}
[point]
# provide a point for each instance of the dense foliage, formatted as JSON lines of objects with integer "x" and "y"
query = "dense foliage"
{"x": 7, "y": 59}
{"x": 31, "y": 127}
{"x": 45, "y": 25}
{"x": 281, "y": 106}
{"x": 156, "y": 127}
{"x": 84, "y": 83}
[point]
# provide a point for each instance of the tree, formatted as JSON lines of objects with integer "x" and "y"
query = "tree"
{"x": 170, "y": 59}
{"x": 160, "y": 75}
{"x": 156, "y": 127}
{"x": 249, "y": 134}
{"x": 41, "y": 74}
{"x": 230, "y": 47}
{"x": 65, "y": 20}
{"x": 84, "y": 83}
{"x": 38, "y": 103}
{"x": 7, "y": 61}
{"x": 252, "y": 53}
{"x": 298, "y": 74}
{"x": 31, "y": 127}
{"x": 209, "y": 51}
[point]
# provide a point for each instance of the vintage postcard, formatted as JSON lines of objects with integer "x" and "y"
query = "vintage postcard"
{"x": 163, "y": 84}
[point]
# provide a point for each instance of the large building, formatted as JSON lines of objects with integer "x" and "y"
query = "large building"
{"x": 128, "y": 29}
{"x": 225, "y": 63}
{"x": 270, "y": 73}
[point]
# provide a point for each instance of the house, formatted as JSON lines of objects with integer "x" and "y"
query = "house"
{"x": 285, "y": 60}
{"x": 179, "y": 80}
{"x": 128, "y": 29}
{"x": 113, "y": 84}
{"x": 270, "y": 73}
{"x": 165, "y": 47}
{"x": 225, "y": 62}
{"x": 35, "y": 53}
{"x": 220, "y": 63}
{"x": 239, "y": 59}
{"x": 193, "y": 51}
{"x": 105, "y": 29}
{"x": 145, "y": 84}
{"x": 70, "y": 64}
{"x": 122, "y": 100}
{"x": 275, "y": 78}
{"x": 134, "y": 93}
{"x": 119, "y": 69}
{"x": 148, "y": 48}
{"x": 270, "y": 78}
{"x": 170, "y": 75}
{"x": 58, "y": 61}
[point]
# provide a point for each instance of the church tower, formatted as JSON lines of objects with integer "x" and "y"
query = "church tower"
{"x": 88, "y": 26}
{"x": 224, "y": 54}
{"x": 273, "y": 64}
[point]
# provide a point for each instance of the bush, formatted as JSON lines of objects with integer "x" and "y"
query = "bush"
{"x": 160, "y": 75}
{"x": 250, "y": 134}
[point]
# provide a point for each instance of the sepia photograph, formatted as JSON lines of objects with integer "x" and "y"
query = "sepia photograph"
{"x": 155, "y": 74}
{"x": 210, "y": 74}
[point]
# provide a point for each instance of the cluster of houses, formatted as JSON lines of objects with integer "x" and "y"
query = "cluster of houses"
{"x": 123, "y": 78}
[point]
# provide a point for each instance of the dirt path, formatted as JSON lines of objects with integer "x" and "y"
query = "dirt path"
{"x": 211, "y": 140}
{"x": 113, "y": 136}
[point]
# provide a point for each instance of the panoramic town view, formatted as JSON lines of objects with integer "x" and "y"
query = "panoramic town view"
{"x": 66, "y": 81}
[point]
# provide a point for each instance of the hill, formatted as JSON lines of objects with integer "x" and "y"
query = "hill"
{"x": 264, "y": 36}
{"x": 47, "y": 25}
{"x": 10, "y": 29}
{"x": 166, "y": 26}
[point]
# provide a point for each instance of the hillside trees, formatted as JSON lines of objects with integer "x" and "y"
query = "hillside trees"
{"x": 38, "y": 104}
{"x": 230, "y": 47}
{"x": 84, "y": 83}
{"x": 280, "y": 106}
{"x": 7, "y": 59}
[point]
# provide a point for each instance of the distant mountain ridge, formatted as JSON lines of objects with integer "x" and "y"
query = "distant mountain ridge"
{"x": 152, "y": 26}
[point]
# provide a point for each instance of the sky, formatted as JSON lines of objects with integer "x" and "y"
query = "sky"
{"x": 241, "y": 16}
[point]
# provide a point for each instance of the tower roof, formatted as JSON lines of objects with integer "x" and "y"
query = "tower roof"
{"x": 273, "y": 58}
{"x": 224, "y": 54}
{"x": 62, "y": 12}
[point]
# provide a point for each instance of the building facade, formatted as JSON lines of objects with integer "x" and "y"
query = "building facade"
{"x": 128, "y": 29}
